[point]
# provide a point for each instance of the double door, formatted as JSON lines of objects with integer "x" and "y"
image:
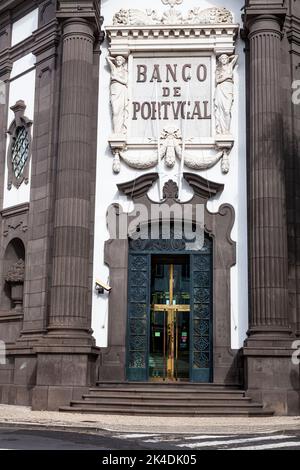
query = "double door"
{"x": 169, "y": 336}
{"x": 169, "y": 348}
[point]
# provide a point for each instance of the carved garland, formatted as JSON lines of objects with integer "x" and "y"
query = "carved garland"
{"x": 170, "y": 150}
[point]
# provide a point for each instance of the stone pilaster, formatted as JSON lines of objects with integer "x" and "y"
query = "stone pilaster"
{"x": 70, "y": 278}
{"x": 267, "y": 205}
{"x": 270, "y": 374}
{"x": 38, "y": 249}
{"x": 67, "y": 356}
{"x": 5, "y": 70}
{"x": 292, "y": 158}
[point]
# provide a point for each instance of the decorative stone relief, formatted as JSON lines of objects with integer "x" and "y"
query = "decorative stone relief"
{"x": 15, "y": 221}
{"x": 186, "y": 89}
{"x": 119, "y": 93}
{"x": 15, "y": 278}
{"x": 18, "y": 225}
{"x": 170, "y": 145}
{"x": 134, "y": 17}
{"x": 224, "y": 94}
{"x": 16, "y": 272}
{"x": 170, "y": 190}
{"x": 170, "y": 149}
{"x": 209, "y": 16}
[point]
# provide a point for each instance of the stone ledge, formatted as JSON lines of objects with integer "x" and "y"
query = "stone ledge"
{"x": 268, "y": 351}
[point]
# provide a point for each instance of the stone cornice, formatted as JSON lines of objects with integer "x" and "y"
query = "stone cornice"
{"x": 6, "y": 64}
{"x": 292, "y": 29}
{"x": 9, "y": 5}
{"x": 46, "y": 38}
{"x": 15, "y": 210}
{"x": 266, "y": 10}
{"x": 41, "y": 41}
{"x": 17, "y": 7}
{"x": 5, "y": 19}
{"x": 123, "y": 39}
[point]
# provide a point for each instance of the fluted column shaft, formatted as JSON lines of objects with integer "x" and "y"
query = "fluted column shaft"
{"x": 71, "y": 250}
{"x": 267, "y": 204}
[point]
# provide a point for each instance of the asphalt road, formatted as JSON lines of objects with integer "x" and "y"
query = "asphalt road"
{"x": 26, "y": 439}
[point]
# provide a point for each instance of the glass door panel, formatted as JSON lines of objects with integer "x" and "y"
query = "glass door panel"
{"x": 170, "y": 321}
{"x": 158, "y": 344}
{"x": 182, "y": 343}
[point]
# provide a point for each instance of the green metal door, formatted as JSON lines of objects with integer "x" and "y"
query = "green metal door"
{"x": 138, "y": 316}
{"x": 202, "y": 315}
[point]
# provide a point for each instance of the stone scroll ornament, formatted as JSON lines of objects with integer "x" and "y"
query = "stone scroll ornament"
{"x": 170, "y": 150}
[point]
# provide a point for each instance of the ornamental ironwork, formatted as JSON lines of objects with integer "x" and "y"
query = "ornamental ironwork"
{"x": 19, "y": 151}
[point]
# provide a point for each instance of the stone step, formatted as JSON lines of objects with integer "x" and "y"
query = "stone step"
{"x": 158, "y": 397}
{"x": 205, "y": 412}
{"x": 166, "y": 390}
{"x": 169, "y": 385}
{"x": 166, "y": 404}
{"x": 167, "y": 399}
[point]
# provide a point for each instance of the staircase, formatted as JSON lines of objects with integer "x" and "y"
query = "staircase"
{"x": 165, "y": 399}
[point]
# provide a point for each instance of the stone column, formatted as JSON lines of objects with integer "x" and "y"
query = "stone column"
{"x": 270, "y": 376}
{"x": 66, "y": 356}
{"x": 267, "y": 204}
{"x": 71, "y": 249}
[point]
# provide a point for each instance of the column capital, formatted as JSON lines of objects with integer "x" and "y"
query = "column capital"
{"x": 264, "y": 19}
{"x": 85, "y": 9}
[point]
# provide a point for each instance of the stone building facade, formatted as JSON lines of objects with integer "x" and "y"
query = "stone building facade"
{"x": 62, "y": 332}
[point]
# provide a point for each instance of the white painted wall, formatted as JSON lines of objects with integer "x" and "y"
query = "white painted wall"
{"x": 24, "y": 27}
{"x": 20, "y": 88}
{"x": 235, "y": 182}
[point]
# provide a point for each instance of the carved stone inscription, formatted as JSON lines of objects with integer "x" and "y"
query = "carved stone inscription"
{"x": 171, "y": 90}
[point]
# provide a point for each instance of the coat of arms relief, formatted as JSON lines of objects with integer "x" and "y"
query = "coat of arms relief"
{"x": 172, "y": 87}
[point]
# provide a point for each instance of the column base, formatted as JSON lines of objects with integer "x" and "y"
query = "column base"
{"x": 63, "y": 374}
{"x": 270, "y": 336}
{"x": 271, "y": 377}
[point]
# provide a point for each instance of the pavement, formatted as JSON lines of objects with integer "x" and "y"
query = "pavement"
{"x": 36, "y": 439}
{"x": 24, "y": 417}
